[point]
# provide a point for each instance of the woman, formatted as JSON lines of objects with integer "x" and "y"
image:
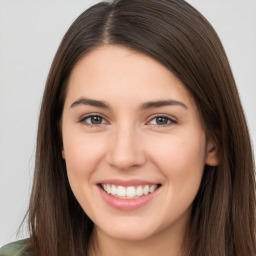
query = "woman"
{"x": 142, "y": 145}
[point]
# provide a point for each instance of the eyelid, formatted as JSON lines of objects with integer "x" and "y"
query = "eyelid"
{"x": 84, "y": 117}
{"x": 171, "y": 119}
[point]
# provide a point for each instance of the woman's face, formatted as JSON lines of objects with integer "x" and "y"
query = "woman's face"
{"x": 134, "y": 144}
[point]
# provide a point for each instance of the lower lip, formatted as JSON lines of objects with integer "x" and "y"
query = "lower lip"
{"x": 127, "y": 204}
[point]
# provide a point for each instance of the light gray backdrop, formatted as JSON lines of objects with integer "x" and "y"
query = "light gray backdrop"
{"x": 30, "y": 32}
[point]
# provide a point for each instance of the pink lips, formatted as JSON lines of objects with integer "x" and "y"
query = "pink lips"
{"x": 126, "y": 204}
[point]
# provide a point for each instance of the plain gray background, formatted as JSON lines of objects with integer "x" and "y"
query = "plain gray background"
{"x": 30, "y": 32}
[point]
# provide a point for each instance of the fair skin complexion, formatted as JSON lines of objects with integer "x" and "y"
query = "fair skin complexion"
{"x": 114, "y": 132}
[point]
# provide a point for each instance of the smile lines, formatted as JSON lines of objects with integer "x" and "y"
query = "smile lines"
{"x": 130, "y": 192}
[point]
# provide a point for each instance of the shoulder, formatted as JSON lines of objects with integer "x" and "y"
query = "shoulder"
{"x": 18, "y": 248}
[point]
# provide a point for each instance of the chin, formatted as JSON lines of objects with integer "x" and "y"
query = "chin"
{"x": 129, "y": 230}
{"x": 129, "y": 235}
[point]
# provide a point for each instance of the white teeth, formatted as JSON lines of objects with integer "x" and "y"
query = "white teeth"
{"x": 152, "y": 188}
{"x": 139, "y": 191}
{"x": 121, "y": 191}
{"x": 146, "y": 190}
{"x": 129, "y": 192}
{"x": 108, "y": 189}
{"x": 113, "y": 190}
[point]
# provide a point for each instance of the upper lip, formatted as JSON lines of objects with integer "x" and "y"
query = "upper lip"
{"x": 131, "y": 182}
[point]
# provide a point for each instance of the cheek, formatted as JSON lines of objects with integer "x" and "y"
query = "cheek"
{"x": 179, "y": 151}
{"x": 82, "y": 154}
{"x": 181, "y": 160}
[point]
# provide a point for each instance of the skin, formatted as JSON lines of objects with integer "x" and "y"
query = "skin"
{"x": 129, "y": 142}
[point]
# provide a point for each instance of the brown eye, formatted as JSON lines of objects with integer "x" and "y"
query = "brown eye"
{"x": 96, "y": 119}
{"x": 93, "y": 120}
{"x": 162, "y": 121}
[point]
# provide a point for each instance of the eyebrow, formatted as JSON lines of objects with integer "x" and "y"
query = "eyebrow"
{"x": 90, "y": 102}
{"x": 144, "y": 106}
{"x": 162, "y": 103}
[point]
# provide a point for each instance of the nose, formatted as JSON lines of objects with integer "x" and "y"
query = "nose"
{"x": 126, "y": 149}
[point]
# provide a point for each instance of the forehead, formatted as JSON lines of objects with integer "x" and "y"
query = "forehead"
{"x": 110, "y": 71}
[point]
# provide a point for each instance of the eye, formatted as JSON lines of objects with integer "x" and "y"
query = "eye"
{"x": 162, "y": 121}
{"x": 93, "y": 120}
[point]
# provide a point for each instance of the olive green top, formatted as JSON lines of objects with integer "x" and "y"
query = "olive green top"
{"x": 18, "y": 248}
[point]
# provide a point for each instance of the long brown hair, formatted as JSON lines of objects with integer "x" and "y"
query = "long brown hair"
{"x": 171, "y": 31}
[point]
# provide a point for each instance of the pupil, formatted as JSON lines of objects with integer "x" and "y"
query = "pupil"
{"x": 96, "y": 120}
{"x": 161, "y": 120}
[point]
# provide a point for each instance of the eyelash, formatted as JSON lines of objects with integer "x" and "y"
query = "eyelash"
{"x": 83, "y": 120}
{"x": 170, "y": 120}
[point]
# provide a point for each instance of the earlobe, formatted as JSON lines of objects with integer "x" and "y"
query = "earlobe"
{"x": 212, "y": 155}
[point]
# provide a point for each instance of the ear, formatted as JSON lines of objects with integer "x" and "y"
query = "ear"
{"x": 63, "y": 153}
{"x": 212, "y": 157}
{"x": 60, "y": 138}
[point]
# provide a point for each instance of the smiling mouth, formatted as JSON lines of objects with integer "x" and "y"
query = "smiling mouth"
{"x": 130, "y": 192}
